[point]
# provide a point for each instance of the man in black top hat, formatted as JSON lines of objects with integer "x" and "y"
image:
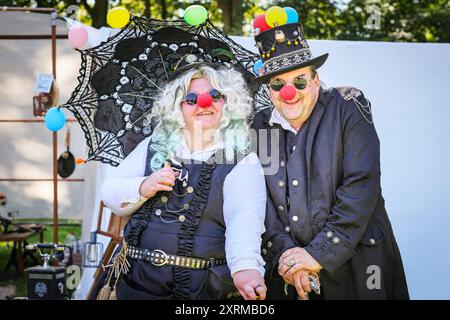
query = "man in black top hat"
{"x": 325, "y": 214}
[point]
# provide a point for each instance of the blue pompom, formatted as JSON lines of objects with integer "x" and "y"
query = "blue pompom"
{"x": 292, "y": 15}
{"x": 54, "y": 119}
{"x": 258, "y": 65}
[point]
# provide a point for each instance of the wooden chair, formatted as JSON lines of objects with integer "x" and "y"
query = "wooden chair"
{"x": 113, "y": 231}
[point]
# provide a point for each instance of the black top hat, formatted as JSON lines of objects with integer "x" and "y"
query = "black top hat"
{"x": 284, "y": 48}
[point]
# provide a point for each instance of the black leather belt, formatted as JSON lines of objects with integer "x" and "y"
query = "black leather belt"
{"x": 160, "y": 258}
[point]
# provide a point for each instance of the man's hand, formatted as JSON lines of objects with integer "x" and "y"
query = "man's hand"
{"x": 296, "y": 259}
{"x": 250, "y": 283}
{"x": 302, "y": 284}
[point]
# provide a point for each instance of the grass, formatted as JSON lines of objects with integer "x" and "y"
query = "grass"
{"x": 9, "y": 278}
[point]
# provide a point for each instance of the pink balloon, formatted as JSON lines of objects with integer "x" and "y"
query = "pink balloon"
{"x": 78, "y": 37}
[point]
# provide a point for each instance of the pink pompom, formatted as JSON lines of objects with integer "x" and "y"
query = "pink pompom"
{"x": 78, "y": 37}
{"x": 260, "y": 23}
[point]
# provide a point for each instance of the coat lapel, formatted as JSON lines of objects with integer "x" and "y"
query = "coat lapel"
{"x": 316, "y": 116}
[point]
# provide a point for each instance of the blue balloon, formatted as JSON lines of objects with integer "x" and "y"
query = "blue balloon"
{"x": 258, "y": 65}
{"x": 54, "y": 119}
{"x": 292, "y": 15}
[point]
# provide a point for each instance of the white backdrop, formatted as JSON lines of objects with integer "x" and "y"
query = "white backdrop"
{"x": 408, "y": 85}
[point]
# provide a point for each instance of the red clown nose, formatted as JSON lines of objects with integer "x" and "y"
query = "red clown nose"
{"x": 288, "y": 92}
{"x": 204, "y": 100}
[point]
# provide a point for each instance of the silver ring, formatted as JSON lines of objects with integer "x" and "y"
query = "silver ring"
{"x": 291, "y": 263}
{"x": 259, "y": 285}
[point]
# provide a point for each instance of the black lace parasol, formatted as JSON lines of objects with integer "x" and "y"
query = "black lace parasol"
{"x": 119, "y": 79}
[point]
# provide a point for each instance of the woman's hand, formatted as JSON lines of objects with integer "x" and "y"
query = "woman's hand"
{"x": 250, "y": 284}
{"x": 160, "y": 180}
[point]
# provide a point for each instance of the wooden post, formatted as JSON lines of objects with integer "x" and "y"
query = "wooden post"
{"x": 55, "y": 139}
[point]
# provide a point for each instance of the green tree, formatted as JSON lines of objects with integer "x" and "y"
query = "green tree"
{"x": 400, "y": 20}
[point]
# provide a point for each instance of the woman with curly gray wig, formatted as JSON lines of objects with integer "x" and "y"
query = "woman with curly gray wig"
{"x": 195, "y": 193}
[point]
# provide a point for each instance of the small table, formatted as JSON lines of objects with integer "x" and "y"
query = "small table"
{"x": 20, "y": 241}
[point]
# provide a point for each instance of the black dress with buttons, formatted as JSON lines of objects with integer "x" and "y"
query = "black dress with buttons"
{"x": 166, "y": 223}
{"x": 326, "y": 197}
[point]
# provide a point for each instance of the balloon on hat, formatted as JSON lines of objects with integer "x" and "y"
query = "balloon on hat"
{"x": 260, "y": 23}
{"x": 258, "y": 65}
{"x": 118, "y": 17}
{"x": 292, "y": 15}
{"x": 276, "y": 16}
{"x": 195, "y": 15}
{"x": 78, "y": 37}
{"x": 54, "y": 119}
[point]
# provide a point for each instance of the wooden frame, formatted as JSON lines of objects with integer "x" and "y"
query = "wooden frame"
{"x": 115, "y": 226}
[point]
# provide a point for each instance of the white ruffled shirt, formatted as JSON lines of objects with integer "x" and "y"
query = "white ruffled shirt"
{"x": 244, "y": 206}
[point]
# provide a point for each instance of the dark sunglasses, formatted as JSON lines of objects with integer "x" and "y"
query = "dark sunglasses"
{"x": 299, "y": 83}
{"x": 191, "y": 97}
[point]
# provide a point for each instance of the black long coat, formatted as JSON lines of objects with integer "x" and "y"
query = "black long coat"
{"x": 334, "y": 207}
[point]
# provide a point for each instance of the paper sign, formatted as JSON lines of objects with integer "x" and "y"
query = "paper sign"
{"x": 43, "y": 83}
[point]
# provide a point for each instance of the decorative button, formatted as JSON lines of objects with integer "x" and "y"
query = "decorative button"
{"x": 282, "y": 164}
{"x": 372, "y": 241}
{"x": 186, "y": 206}
{"x": 295, "y": 218}
{"x": 287, "y": 229}
{"x": 293, "y": 148}
{"x": 281, "y": 184}
{"x": 329, "y": 234}
{"x": 295, "y": 182}
{"x": 336, "y": 240}
{"x": 164, "y": 199}
{"x": 182, "y": 218}
{"x": 281, "y": 208}
{"x": 190, "y": 189}
{"x": 269, "y": 244}
{"x": 264, "y": 251}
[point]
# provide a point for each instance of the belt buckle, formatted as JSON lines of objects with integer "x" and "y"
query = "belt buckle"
{"x": 163, "y": 258}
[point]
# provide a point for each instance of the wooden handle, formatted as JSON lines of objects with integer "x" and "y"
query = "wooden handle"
{"x": 68, "y": 138}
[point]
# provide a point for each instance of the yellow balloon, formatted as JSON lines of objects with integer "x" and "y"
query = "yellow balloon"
{"x": 118, "y": 17}
{"x": 276, "y": 16}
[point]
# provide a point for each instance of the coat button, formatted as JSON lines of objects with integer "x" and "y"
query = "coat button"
{"x": 372, "y": 241}
{"x": 329, "y": 234}
{"x": 336, "y": 240}
{"x": 295, "y": 218}
{"x": 264, "y": 251}
{"x": 281, "y": 208}
{"x": 295, "y": 182}
{"x": 269, "y": 244}
{"x": 282, "y": 164}
{"x": 287, "y": 229}
{"x": 281, "y": 184}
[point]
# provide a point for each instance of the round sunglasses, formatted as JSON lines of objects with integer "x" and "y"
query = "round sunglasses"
{"x": 191, "y": 97}
{"x": 299, "y": 83}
